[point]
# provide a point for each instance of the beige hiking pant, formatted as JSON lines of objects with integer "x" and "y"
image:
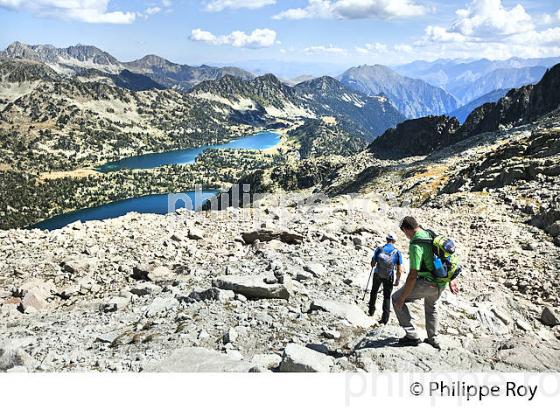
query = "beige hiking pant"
{"x": 422, "y": 290}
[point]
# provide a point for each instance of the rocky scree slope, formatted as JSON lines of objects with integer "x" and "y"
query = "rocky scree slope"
{"x": 269, "y": 288}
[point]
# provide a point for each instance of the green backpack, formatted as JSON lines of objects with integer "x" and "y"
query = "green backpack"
{"x": 446, "y": 262}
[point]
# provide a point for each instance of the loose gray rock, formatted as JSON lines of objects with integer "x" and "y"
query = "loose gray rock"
{"x": 550, "y": 317}
{"x": 298, "y": 358}
{"x": 267, "y": 235}
{"x": 316, "y": 269}
{"x": 145, "y": 289}
{"x": 199, "y": 360}
{"x": 12, "y": 356}
{"x": 196, "y": 234}
{"x": 255, "y": 286}
{"x": 266, "y": 360}
{"x": 352, "y": 313}
{"x": 215, "y": 294}
{"x": 161, "y": 305}
{"x": 115, "y": 303}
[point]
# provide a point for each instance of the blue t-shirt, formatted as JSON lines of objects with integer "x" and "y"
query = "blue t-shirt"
{"x": 388, "y": 248}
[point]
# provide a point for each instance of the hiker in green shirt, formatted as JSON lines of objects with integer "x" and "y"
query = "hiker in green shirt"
{"x": 420, "y": 284}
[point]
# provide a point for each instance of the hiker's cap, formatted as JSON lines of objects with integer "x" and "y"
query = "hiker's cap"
{"x": 391, "y": 236}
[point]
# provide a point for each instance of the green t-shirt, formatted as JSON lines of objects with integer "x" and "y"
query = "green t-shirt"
{"x": 422, "y": 258}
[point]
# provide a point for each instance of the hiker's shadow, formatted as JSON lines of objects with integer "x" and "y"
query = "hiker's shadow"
{"x": 373, "y": 341}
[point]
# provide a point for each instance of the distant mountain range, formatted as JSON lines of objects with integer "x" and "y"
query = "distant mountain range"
{"x": 418, "y": 89}
{"x": 519, "y": 106}
{"x": 469, "y": 80}
{"x": 76, "y": 59}
{"x": 413, "y": 98}
{"x": 264, "y": 96}
{"x": 463, "y": 112}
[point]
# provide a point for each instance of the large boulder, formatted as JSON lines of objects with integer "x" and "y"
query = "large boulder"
{"x": 349, "y": 312}
{"x": 213, "y": 294}
{"x": 78, "y": 265}
{"x": 269, "y": 234}
{"x": 550, "y": 317}
{"x": 12, "y": 356}
{"x": 35, "y": 295}
{"x": 199, "y": 360}
{"x": 255, "y": 287}
{"x": 161, "y": 305}
{"x": 298, "y": 358}
{"x": 152, "y": 273}
{"x": 416, "y": 137}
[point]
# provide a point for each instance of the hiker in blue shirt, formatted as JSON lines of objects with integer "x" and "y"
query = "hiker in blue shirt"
{"x": 386, "y": 259}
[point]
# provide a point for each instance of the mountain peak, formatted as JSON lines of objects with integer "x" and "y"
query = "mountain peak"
{"x": 152, "y": 61}
{"x": 268, "y": 78}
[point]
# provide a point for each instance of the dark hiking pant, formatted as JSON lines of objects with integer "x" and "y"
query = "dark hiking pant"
{"x": 387, "y": 290}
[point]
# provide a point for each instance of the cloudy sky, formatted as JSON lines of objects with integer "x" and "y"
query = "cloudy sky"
{"x": 341, "y": 32}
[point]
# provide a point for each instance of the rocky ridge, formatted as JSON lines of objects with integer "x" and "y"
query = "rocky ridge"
{"x": 74, "y": 60}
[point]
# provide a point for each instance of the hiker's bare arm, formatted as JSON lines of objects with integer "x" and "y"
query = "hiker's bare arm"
{"x": 407, "y": 289}
{"x": 373, "y": 263}
{"x": 399, "y": 273}
{"x": 454, "y": 287}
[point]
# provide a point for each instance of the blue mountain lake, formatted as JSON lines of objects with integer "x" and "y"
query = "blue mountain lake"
{"x": 157, "y": 204}
{"x": 261, "y": 141}
{"x": 152, "y": 204}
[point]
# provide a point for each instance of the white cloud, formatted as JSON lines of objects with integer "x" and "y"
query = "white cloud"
{"x": 491, "y": 18}
{"x": 373, "y": 48}
{"x": 403, "y": 48}
{"x": 354, "y": 9}
{"x": 385, "y": 52}
{"x": 486, "y": 28}
{"x": 219, "y": 5}
{"x": 325, "y": 50}
{"x": 152, "y": 10}
{"x": 88, "y": 11}
{"x": 259, "y": 38}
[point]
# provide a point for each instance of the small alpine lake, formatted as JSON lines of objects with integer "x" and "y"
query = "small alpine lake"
{"x": 153, "y": 204}
{"x": 158, "y": 204}
{"x": 258, "y": 142}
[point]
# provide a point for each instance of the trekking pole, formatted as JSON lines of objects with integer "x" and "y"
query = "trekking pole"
{"x": 367, "y": 284}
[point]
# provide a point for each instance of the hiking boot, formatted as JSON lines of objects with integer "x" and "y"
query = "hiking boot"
{"x": 383, "y": 322}
{"x": 434, "y": 343}
{"x": 407, "y": 341}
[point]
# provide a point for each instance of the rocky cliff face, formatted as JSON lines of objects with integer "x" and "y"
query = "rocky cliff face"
{"x": 415, "y": 137}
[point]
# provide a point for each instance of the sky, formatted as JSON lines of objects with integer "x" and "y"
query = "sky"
{"x": 328, "y": 32}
